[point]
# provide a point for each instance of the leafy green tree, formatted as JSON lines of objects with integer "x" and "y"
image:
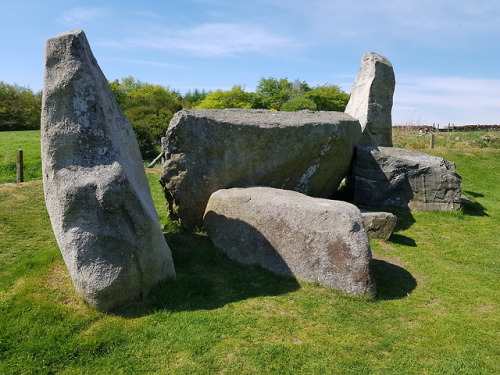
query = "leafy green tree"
{"x": 272, "y": 92}
{"x": 120, "y": 92}
{"x": 131, "y": 93}
{"x": 20, "y": 107}
{"x": 149, "y": 109}
{"x": 149, "y": 126}
{"x": 193, "y": 98}
{"x": 299, "y": 103}
{"x": 328, "y": 97}
{"x": 299, "y": 88}
{"x": 237, "y": 97}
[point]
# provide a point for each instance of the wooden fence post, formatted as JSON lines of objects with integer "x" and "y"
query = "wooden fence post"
{"x": 431, "y": 145}
{"x": 20, "y": 166}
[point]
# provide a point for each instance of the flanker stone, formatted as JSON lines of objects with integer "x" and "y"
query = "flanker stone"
{"x": 291, "y": 234}
{"x": 371, "y": 100}
{"x": 379, "y": 224}
{"x": 96, "y": 190}
{"x": 393, "y": 177}
{"x": 208, "y": 150}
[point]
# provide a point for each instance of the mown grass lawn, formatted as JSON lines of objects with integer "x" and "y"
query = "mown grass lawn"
{"x": 436, "y": 311}
{"x": 29, "y": 142}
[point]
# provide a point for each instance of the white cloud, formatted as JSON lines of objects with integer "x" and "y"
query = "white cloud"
{"x": 144, "y": 29}
{"x": 213, "y": 40}
{"x": 146, "y": 14}
{"x": 444, "y": 100}
{"x": 78, "y": 16}
{"x": 156, "y": 64}
{"x": 365, "y": 20}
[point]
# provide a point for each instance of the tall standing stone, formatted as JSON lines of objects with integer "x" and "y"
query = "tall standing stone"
{"x": 371, "y": 100}
{"x": 96, "y": 190}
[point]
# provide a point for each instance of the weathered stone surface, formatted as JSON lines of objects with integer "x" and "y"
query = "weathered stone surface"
{"x": 379, "y": 224}
{"x": 291, "y": 234}
{"x": 208, "y": 150}
{"x": 371, "y": 100}
{"x": 393, "y": 177}
{"x": 96, "y": 190}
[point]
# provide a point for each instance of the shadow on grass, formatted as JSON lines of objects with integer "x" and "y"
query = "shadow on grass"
{"x": 405, "y": 219}
{"x": 393, "y": 282}
{"x": 475, "y": 195}
{"x": 402, "y": 240}
{"x": 472, "y": 208}
{"x": 206, "y": 279}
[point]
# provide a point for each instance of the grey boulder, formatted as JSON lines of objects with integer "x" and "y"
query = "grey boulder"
{"x": 208, "y": 150}
{"x": 290, "y": 234}
{"x": 372, "y": 98}
{"x": 394, "y": 177}
{"x": 96, "y": 191}
{"x": 379, "y": 224}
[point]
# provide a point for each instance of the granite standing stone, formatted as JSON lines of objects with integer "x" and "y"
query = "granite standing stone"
{"x": 371, "y": 100}
{"x": 96, "y": 190}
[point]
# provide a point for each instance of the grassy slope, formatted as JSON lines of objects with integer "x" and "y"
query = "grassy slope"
{"x": 436, "y": 311}
{"x": 29, "y": 142}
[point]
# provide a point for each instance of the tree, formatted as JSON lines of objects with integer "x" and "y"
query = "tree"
{"x": 237, "y": 97}
{"x": 20, "y": 107}
{"x": 328, "y": 97}
{"x": 130, "y": 93}
{"x": 298, "y": 104}
{"x": 149, "y": 109}
{"x": 193, "y": 98}
{"x": 274, "y": 92}
{"x": 299, "y": 88}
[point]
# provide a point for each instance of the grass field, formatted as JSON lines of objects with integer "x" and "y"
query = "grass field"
{"x": 29, "y": 142}
{"x": 436, "y": 311}
{"x": 456, "y": 140}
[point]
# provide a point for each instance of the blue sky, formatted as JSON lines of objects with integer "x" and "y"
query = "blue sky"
{"x": 445, "y": 53}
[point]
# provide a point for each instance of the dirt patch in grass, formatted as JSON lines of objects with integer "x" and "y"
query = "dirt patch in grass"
{"x": 487, "y": 308}
{"x": 59, "y": 283}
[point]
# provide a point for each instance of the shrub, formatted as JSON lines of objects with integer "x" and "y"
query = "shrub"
{"x": 20, "y": 108}
{"x": 237, "y": 97}
{"x": 328, "y": 97}
{"x": 193, "y": 98}
{"x": 149, "y": 109}
{"x": 299, "y": 103}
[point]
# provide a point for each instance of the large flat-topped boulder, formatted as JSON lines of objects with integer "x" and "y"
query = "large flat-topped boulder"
{"x": 394, "y": 177}
{"x": 96, "y": 190}
{"x": 371, "y": 100}
{"x": 208, "y": 150}
{"x": 290, "y": 234}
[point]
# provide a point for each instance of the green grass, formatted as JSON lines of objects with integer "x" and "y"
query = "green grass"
{"x": 29, "y": 142}
{"x": 459, "y": 140}
{"x": 436, "y": 311}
